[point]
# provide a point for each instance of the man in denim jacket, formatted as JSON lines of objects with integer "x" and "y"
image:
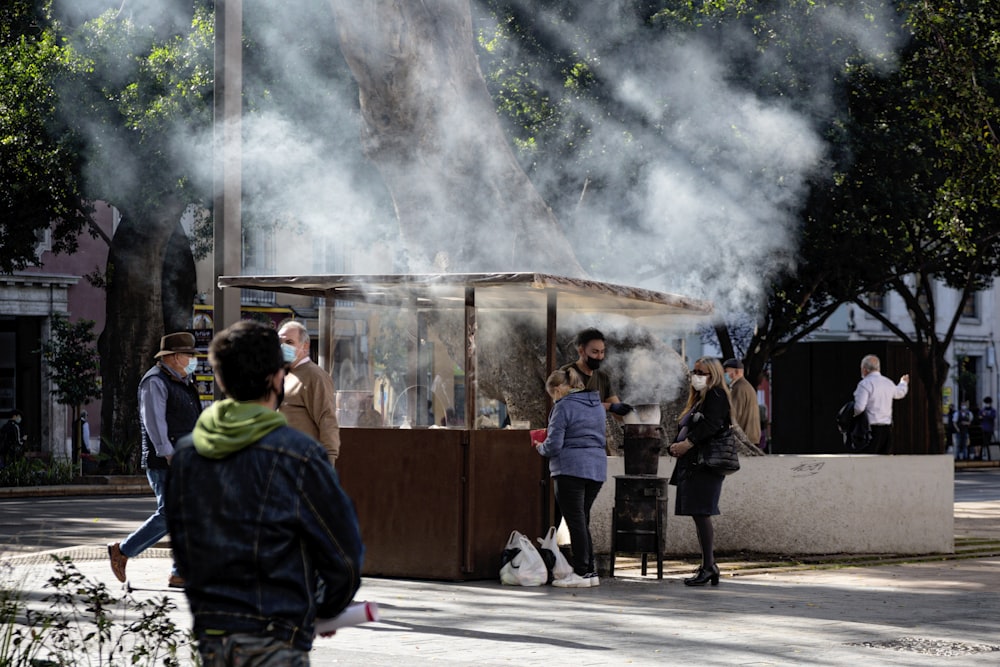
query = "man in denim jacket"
{"x": 261, "y": 530}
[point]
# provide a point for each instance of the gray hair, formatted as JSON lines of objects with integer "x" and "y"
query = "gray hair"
{"x": 298, "y": 326}
{"x": 871, "y": 363}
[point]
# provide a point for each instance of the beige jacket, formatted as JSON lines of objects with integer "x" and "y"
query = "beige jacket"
{"x": 746, "y": 412}
{"x": 310, "y": 405}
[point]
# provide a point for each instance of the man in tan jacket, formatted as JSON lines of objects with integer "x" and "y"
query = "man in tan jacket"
{"x": 746, "y": 412}
{"x": 309, "y": 403}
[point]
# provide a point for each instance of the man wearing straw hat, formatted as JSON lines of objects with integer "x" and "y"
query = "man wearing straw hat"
{"x": 169, "y": 406}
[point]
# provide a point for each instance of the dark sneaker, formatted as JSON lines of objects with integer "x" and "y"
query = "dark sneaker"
{"x": 175, "y": 581}
{"x": 118, "y": 561}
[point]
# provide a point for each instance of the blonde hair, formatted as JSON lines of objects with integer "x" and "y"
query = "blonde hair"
{"x": 716, "y": 378}
{"x": 559, "y": 378}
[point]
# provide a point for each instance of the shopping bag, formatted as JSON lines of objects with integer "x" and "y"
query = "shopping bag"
{"x": 555, "y": 561}
{"x": 521, "y": 564}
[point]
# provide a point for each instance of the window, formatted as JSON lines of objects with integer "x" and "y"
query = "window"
{"x": 258, "y": 251}
{"x": 876, "y": 300}
{"x": 971, "y": 308}
{"x": 43, "y": 239}
{"x": 924, "y": 303}
{"x": 258, "y": 259}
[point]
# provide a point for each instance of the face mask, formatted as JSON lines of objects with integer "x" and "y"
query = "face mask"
{"x": 699, "y": 382}
{"x": 593, "y": 364}
{"x": 729, "y": 380}
{"x": 191, "y": 366}
{"x": 288, "y": 353}
{"x": 16, "y": 420}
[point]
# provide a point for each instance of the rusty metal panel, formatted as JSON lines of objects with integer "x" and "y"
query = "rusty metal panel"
{"x": 508, "y": 487}
{"x": 407, "y": 488}
{"x": 431, "y": 507}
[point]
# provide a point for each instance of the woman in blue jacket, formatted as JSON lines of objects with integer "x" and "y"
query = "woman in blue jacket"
{"x": 575, "y": 446}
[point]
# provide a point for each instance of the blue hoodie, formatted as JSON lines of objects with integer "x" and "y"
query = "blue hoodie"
{"x": 575, "y": 440}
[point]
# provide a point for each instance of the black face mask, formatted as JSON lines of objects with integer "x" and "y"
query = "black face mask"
{"x": 593, "y": 364}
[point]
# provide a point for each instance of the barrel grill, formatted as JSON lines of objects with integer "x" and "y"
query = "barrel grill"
{"x": 639, "y": 519}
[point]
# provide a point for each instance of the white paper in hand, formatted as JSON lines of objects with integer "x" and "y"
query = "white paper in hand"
{"x": 356, "y": 613}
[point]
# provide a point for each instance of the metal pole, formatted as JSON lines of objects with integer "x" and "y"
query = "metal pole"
{"x": 471, "y": 373}
{"x": 228, "y": 113}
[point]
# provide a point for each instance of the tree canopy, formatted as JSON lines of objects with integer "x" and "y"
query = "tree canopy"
{"x": 41, "y": 158}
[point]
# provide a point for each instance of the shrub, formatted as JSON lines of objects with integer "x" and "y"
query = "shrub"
{"x": 37, "y": 472}
{"x": 84, "y": 624}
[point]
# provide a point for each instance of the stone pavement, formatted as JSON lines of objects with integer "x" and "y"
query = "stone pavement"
{"x": 928, "y": 613}
{"x": 939, "y": 610}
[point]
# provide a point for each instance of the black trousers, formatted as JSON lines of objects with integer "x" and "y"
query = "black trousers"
{"x": 576, "y": 496}
{"x": 881, "y": 438}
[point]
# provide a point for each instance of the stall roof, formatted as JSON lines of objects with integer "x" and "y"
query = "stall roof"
{"x": 503, "y": 291}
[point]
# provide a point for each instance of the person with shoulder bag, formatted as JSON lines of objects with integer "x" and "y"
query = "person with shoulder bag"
{"x": 706, "y": 415}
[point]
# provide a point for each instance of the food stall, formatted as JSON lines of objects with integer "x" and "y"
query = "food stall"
{"x": 438, "y": 501}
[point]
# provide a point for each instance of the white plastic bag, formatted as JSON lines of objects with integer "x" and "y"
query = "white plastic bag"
{"x": 555, "y": 561}
{"x": 521, "y": 564}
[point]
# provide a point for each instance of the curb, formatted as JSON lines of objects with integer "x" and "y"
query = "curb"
{"x": 62, "y": 490}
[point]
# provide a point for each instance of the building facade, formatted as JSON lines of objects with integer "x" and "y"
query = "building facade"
{"x": 29, "y": 299}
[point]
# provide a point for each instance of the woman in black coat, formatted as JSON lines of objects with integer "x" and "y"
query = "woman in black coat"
{"x": 706, "y": 415}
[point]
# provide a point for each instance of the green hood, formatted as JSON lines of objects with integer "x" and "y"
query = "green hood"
{"x": 228, "y": 426}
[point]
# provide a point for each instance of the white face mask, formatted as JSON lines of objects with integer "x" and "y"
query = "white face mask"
{"x": 699, "y": 382}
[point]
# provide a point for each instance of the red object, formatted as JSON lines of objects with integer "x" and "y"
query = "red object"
{"x": 537, "y": 435}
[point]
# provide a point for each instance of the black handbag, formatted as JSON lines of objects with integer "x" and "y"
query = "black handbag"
{"x": 720, "y": 454}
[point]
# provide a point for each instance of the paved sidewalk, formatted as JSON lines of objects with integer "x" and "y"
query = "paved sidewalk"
{"x": 939, "y": 611}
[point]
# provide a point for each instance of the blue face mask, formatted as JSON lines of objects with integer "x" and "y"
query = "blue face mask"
{"x": 288, "y": 353}
{"x": 192, "y": 364}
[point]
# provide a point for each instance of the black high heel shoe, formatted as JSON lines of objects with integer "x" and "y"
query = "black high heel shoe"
{"x": 703, "y": 576}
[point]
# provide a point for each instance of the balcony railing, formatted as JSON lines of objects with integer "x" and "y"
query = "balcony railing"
{"x": 255, "y": 297}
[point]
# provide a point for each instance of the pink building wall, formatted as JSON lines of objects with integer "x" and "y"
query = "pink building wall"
{"x": 86, "y": 302}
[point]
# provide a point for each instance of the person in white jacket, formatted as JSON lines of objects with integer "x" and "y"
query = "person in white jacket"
{"x": 874, "y": 396}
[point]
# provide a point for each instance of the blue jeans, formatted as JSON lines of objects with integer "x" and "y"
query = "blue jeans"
{"x": 155, "y": 527}
{"x": 962, "y": 445}
{"x": 576, "y": 496}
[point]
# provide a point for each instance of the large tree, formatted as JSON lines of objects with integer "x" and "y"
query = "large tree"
{"x": 432, "y": 130}
{"x": 926, "y": 182}
{"x": 142, "y": 92}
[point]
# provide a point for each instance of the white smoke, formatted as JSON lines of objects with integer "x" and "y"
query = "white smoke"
{"x": 709, "y": 212}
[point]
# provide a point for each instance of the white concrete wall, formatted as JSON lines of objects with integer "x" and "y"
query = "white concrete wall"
{"x": 815, "y": 504}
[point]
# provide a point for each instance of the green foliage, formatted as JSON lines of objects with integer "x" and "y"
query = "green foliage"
{"x": 72, "y": 361}
{"x": 148, "y": 99}
{"x": 21, "y": 471}
{"x": 84, "y": 624}
{"x": 122, "y": 457}
{"x": 40, "y": 158}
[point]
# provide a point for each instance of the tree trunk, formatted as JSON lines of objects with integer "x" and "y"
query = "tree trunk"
{"x": 462, "y": 200}
{"x": 135, "y": 319}
{"x": 932, "y": 369}
{"x": 180, "y": 282}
